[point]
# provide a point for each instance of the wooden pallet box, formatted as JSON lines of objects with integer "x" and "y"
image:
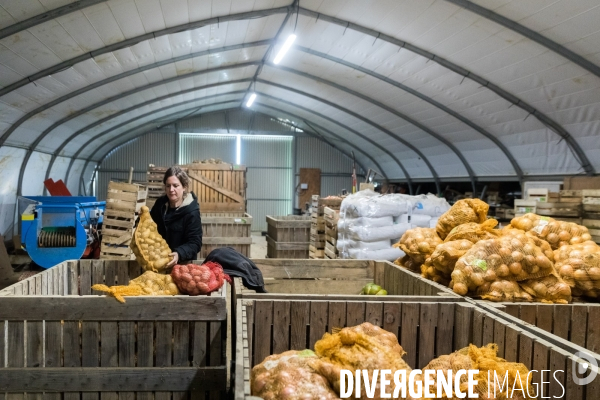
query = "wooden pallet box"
{"x": 339, "y": 279}
{"x": 95, "y": 347}
{"x": 123, "y": 202}
{"x": 287, "y": 249}
{"x": 425, "y": 330}
{"x": 290, "y": 228}
{"x": 226, "y": 230}
{"x": 591, "y": 212}
{"x": 577, "y": 323}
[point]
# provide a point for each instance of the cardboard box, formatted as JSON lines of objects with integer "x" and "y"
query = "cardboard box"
{"x": 581, "y": 182}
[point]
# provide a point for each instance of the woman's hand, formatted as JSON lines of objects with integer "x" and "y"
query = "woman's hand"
{"x": 175, "y": 256}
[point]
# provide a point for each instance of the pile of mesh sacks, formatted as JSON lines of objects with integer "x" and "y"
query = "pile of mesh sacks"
{"x": 316, "y": 374}
{"x": 152, "y": 254}
{"x": 535, "y": 258}
{"x": 371, "y": 223}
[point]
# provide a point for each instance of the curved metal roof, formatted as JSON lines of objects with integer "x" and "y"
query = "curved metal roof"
{"x": 425, "y": 89}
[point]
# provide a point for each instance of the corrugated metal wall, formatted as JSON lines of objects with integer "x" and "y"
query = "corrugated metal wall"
{"x": 154, "y": 148}
{"x": 235, "y": 120}
{"x": 201, "y": 147}
{"x": 270, "y": 164}
{"x": 336, "y": 168}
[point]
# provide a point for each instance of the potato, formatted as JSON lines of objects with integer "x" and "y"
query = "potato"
{"x": 150, "y": 249}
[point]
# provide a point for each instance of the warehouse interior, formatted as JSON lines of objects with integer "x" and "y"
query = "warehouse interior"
{"x": 361, "y": 132}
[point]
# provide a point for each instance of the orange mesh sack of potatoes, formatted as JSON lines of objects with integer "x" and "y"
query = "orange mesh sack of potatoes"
{"x": 418, "y": 244}
{"x": 150, "y": 249}
{"x": 579, "y": 267}
{"x": 148, "y": 284}
{"x": 557, "y": 233}
{"x": 446, "y": 255}
{"x": 503, "y": 290}
{"x": 549, "y": 289}
{"x": 428, "y": 271}
{"x": 541, "y": 243}
{"x": 485, "y": 360}
{"x": 474, "y": 232}
{"x": 365, "y": 346}
{"x": 462, "y": 212}
{"x": 289, "y": 376}
{"x": 510, "y": 257}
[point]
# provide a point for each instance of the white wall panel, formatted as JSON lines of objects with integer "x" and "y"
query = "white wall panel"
{"x": 33, "y": 180}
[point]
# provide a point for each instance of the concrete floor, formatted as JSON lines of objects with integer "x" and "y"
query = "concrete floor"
{"x": 258, "y": 249}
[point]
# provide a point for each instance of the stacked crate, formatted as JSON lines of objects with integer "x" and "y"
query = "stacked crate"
{"x": 317, "y": 229}
{"x": 154, "y": 180}
{"x": 331, "y": 216}
{"x": 288, "y": 236}
{"x": 567, "y": 208}
{"x": 591, "y": 212}
{"x": 123, "y": 202}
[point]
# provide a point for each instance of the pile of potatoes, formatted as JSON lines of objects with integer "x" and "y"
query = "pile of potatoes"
{"x": 149, "y": 283}
{"x": 550, "y": 289}
{"x": 503, "y": 290}
{"x": 462, "y": 212}
{"x": 474, "y": 232}
{"x": 150, "y": 249}
{"x": 419, "y": 243}
{"x": 556, "y": 233}
{"x": 446, "y": 254}
{"x": 511, "y": 257}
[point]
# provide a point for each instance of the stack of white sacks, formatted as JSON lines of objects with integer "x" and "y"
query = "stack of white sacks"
{"x": 370, "y": 223}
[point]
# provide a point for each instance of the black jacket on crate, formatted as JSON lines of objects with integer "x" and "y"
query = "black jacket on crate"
{"x": 236, "y": 264}
{"x": 181, "y": 227}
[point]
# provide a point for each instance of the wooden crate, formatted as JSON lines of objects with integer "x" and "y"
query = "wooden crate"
{"x": 577, "y": 323}
{"x": 219, "y": 187}
{"x": 314, "y": 252}
{"x": 286, "y": 249}
{"x": 226, "y": 230}
{"x": 591, "y": 212}
{"x": 289, "y": 229}
{"x": 337, "y": 279}
{"x": 559, "y": 210}
{"x": 570, "y": 196}
{"x": 319, "y": 203}
{"x": 95, "y": 347}
{"x": 123, "y": 202}
{"x": 425, "y": 330}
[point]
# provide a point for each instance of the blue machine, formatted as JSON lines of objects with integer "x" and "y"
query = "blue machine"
{"x": 59, "y": 228}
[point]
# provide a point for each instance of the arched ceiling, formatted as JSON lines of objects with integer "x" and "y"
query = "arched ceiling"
{"x": 420, "y": 89}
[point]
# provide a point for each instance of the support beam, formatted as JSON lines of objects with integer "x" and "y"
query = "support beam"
{"x": 47, "y": 16}
{"x": 529, "y": 34}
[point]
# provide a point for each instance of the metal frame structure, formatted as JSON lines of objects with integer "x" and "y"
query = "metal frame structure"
{"x": 289, "y": 10}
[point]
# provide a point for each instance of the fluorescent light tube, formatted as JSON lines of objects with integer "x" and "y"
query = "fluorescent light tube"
{"x": 251, "y": 99}
{"x": 286, "y": 46}
{"x": 238, "y": 149}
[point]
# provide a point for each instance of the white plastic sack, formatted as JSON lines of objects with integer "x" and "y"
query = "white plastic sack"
{"x": 370, "y": 234}
{"x": 418, "y": 220}
{"x": 429, "y": 205}
{"x": 354, "y": 244}
{"x": 390, "y": 254}
{"x": 346, "y": 223}
{"x": 433, "y": 222}
{"x": 367, "y": 203}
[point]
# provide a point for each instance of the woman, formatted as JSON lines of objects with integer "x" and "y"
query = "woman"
{"x": 177, "y": 215}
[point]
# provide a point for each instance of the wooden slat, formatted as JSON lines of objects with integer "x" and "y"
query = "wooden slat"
{"x": 593, "y": 332}
{"x": 164, "y": 351}
{"x": 488, "y": 330}
{"x": 540, "y": 363}
{"x": 562, "y": 321}
{"x": 392, "y": 318}
{"x": 110, "y": 379}
{"x": 181, "y": 350}
{"x": 299, "y": 320}
{"x": 126, "y": 352}
{"x": 337, "y": 315}
{"x": 15, "y": 355}
{"x": 578, "y": 325}
{"x": 216, "y": 187}
{"x": 97, "y": 274}
{"x": 544, "y": 317}
{"x": 263, "y": 318}
{"x": 558, "y": 368}
{"x": 85, "y": 271}
{"x": 427, "y": 323}
{"x": 374, "y": 313}
{"x": 144, "y": 308}
{"x": 462, "y": 326}
{"x": 445, "y": 323}
{"x": 511, "y": 343}
{"x": 478, "y": 328}
{"x": 410, "y": 321}
{"x": 145, "y": 351}
{"x": 355, "y": 313}
{"x": 108, "y": 353}
{"x": 90, "y": 351}
{"x": 318, "y": 322}
{"x": 53, "y": 351}
{"x": 500, "y": 337}
{"x": 216, "y": 350}
{"x": 281, "y": 326}
{"x": 525, "y": 355}
{"x": 73, "y": 278}
{"x": 72, "y": 357}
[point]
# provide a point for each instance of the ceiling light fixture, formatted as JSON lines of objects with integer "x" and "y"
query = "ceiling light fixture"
{"x": 286, "y": 46}
{"x": 251, "y": 99}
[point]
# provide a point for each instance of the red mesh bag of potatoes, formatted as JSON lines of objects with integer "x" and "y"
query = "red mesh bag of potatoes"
{"x": 557, "y": 233}
{"x": 194, "y": 280}
{"x": 289, "y": 376}
{"x": 511, "y": 257}
{"x": 418, "y": 244}
{"x": 462, "y": 212}
{"x": 579, "y": 266}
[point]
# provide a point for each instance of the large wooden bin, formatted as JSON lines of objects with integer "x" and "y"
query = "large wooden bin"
{"x": 336, "y": 280}
{"x": 63, "y": 339}
{"x": 288, "y": 236}
{"x": 226, "y": 230}
{"x": 425, "y": 330}
{"x": 578, "y": 323}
